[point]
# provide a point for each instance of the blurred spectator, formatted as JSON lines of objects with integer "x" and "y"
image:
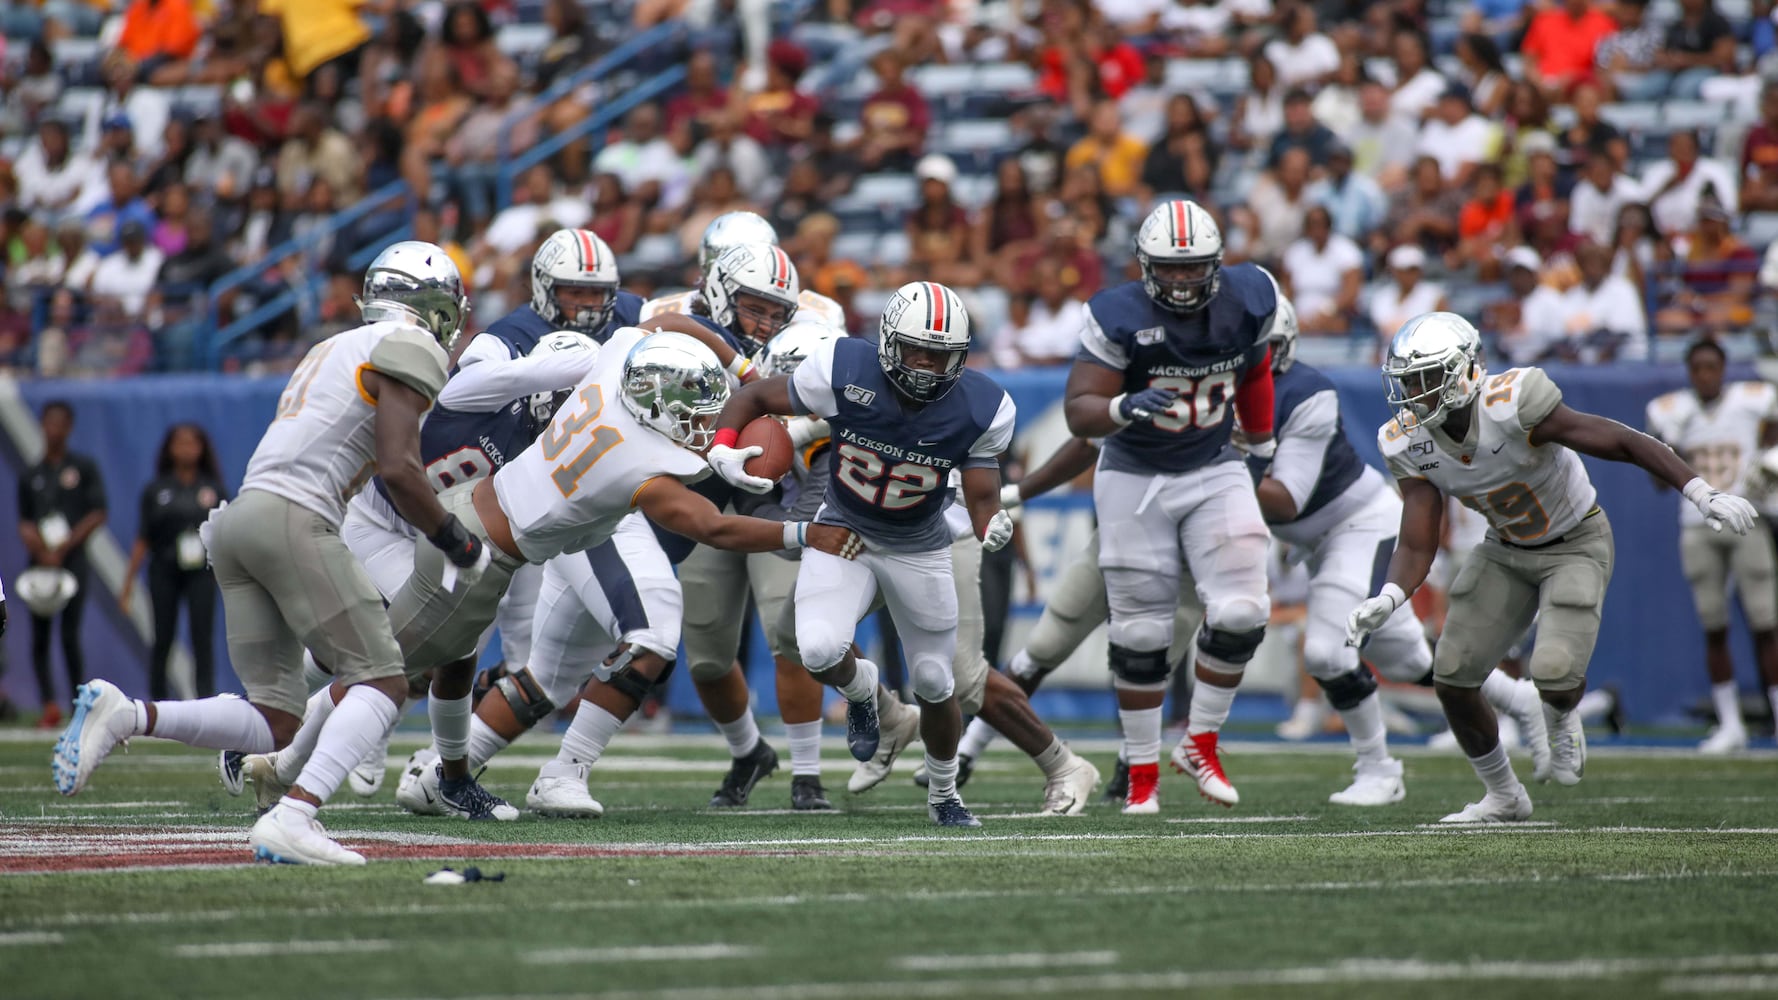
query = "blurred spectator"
{"x": 702, "y": 100}
{"x": 1591, "y": 134}
{"x": 52, "y": 340}
{"x": 110, "y": 344}
{"x": 1336, "y": 103}
{"x": 1043, "y": 329}
{"x": 1532, "y": 318}
{"x": 1561, "y": 42}
{"x": 1486, "y": 222}
{"x": 536, "y": 208}
{"x": 1144, "y": 106}
{"x": 1528, "y": 126}
{"x": 1117, "y": 155}
{"x": 1457, "y": 137}
{"x": 33, "y": 265}
{"x": 202, "y": 260}
{"x": 1602, "y": 317}
{"x": 316, "y": 33}
{"x": 159, "y": 31}
{"x": 1300, "y": 131}
{"x": 1636, "y": 246}
{"x": 1259, "y": 111}
{"x": 120, "y": 206}
{"x": 801, "y": 196}
{"x": 170, "y": 168}
{"x": 1426, "y": 215}
{"x": 1672, "y": 187}
{"x": 938, "y": 228}
{"x": 1718, "y": 275}
{"x": 779, "y": 114}
{"x": 1417, "y": 85}
{"x": 571, "y": 43}
{"x": 1184, "y": 163}
{"x": 836, "y": 278}
{"x": 1404, "y": 295}
{"x": 254, "y": 235}
{"x": 170, "y": 229}
{"x": 1699, "y": 45}
{"x": 1484, "y": 73}
{"x": 1009, "y": 224}
{"x": 1759, "y": 157}
{"x": 50, "y": 173}
{"x": 1597, "y": 196}
{"x": 474, "y": 151}
{"x": 727, "y": 144}
{"x": 1132, "y": 17}
{"x": 1117, "y": 64}
{"x": 128, "y": 276}
{"x": 440, "y": 106}
{"x": 1353, "y": 200}
{"x": 1276, "y": 205}
{"x": 716, "y": 194}
{"x": 645, "y": 161}
{"x": 1304, "y": 56}
{"x": 145, "y": 111}
{"x": 1626, "y": 59}
{"x": 895, "y": 118}
{"x": 1382, "y": 142}
{"x": 219, "y": 162}
{"x": 70, "y": 246}
{"x": 1544, "y": 193}
{"x": 1323, "y": 273}
{"x": 315, "y": 149}
{"x": 469, "y": 44}
{"x": 34, "y": 91}
{"x": 1069, "y": 247}
{"x": 1497, "y": 18}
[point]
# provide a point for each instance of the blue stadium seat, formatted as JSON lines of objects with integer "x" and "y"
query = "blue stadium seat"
{"x": 522, "y": 41}
{"x": 861, "y": 247}
{"x": 1631, "y": 117}
{"x": 1678, "y": 115}
{"x": 1760, "y": 228}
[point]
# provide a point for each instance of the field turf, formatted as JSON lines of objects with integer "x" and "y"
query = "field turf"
{"x": 1657, "y": 876}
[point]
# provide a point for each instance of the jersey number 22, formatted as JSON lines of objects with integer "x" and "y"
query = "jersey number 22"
{"x": 908, "y": 483}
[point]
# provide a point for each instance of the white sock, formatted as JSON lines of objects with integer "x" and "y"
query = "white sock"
{"x": 313, "y": 676}
{"x": 1594, "y": 705}
{"x": 1728, "y": 705}
{"x": 1501, "y": 691}
{"x": 805, "y": 747}
{"x": 864, "y": 682}
{"x": 1142, "y": 735}
{"x": 294, "y": 757}
{"x": 221, "y": 723}
{"x": 1023, "y": 665}
{"x": 975, "y": 739}
{"x": 1056, "y": 758}
{"x": 298, "y": 806}
{"x": 450, "y": 725}
{"x": 356, "y": 725}
{"x": 742, "y": 734}
{"x": 1210, "y": 708}
{"x": 484, "y": 742}
{"x": 588, "y": 735}
{"x": 1364, "y": 724}
{"x": 941, "y": 778}
{"x": 1496, "y": 772}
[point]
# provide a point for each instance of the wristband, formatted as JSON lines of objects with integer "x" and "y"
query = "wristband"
{"x": 455, "y": 541}
{"x": 726, "y": 437}
{"x": 1394, "y": 593}
{"x": 1117, "y": 410}
{"x": 1009, "y": 496}
{"x": 796, "y": 534}
{"x": 739, "y": 366}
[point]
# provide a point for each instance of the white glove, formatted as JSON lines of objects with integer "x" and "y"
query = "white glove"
{"x": 1719, "y": 508}
{"x": 729, "y": 464}
{"x": 1372, "y": 613}
{"x": 207, "y": 531}
{"x": 463, "y": 577}
{"x": 1009, "y": 496}
{"x": 999, "y": 532}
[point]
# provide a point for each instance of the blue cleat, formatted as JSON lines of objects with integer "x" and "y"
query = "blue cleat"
{"x": 465, "y": 798}
{"x": 103, "y": 719}
{"x": 230, "y": 766}
{"x": 952, "y": 812}
{"x": 862, "y": 731}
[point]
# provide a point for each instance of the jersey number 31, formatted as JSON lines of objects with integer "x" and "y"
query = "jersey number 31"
{"x": 573, "y": 426}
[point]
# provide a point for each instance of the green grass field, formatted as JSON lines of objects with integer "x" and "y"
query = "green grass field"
{"x": 1656, "y": 876}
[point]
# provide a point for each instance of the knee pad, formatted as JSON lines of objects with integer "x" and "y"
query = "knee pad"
{"x": 525, "y": 697}
{"x": 1139, "y": 667}
{"x": 1327, "y": 657}
{"x": 705, "y": 670}
{"x": 821, "y": 645}
{"x": 1228, "y": 652}
{"x": 932, "y": 679}
{"x": 1554, "y": 667}
{"x": 1141, "y": 631}
{"x": 631, "y": 682}
{"x": 1237, "y": 614}
{"x": 1348, "y": 689}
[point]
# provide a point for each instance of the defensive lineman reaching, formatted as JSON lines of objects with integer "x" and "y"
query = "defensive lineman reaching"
{"x": 352, "y": 406}
{"x": 1506, "y": 447}
{"x": 1160, "y": 361}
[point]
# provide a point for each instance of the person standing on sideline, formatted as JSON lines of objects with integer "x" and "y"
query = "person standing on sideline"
{"x": 187, "y": 485}
{"x": 61, "y": 504}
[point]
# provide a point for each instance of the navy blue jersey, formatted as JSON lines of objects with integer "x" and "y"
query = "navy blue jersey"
{"x": 1306, "y": 391}
{"x": 893, "y": 459}
{"x": 458, "y": 446}
{"x": 1204, "y": 355}
{"x": 522, "y": 328}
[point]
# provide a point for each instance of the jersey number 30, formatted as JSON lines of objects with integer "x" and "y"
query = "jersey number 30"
{"x": 567, "y": 428}
{"x": 1202, "y": 402}
{"x": 907, "y": 483}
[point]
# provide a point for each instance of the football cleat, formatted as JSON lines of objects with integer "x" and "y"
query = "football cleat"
{"x": 1494, "y": 810}
{"x": 285, "y": 836}
{"x": 806, "y": 793}
{"x": 560, "y": 790}
{"x": 1525, "y": 715}
{"x": 1068, "y": 792}
{"x": 262, "y": 770}
{"x": 418, "y": 791}
{"x": 1373, "y": 785}
{"x": 229, "y": 765}
{"x": 1568, "y": 745}
{"x": 862, "y": 735}
{"x": 465, "y": 798}
{"x": 951, "y": 812}
{"x": 1143, "y": 797}
{"x": 103, "y": 719}
{"x": 743, "y": 774}
{"x": 1195, "y": 757}
{"x": 366, "y": 779}
{"x": 892, "y": 740}
{"x": 965, "y": 767}
{"x": 1119, "y": 786}
{"x": 1724, "y": 739}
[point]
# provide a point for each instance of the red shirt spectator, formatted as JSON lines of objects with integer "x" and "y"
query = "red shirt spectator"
{"x": 1120, "y": 65}
{"x": 895, "y": 119}
{"x": 780, "y": 114}
{"x": 703, "y": 98}
{"x": 1561, "y": 41}
{"x": 159, "y": 29}
{"x": 1759, "y": 157}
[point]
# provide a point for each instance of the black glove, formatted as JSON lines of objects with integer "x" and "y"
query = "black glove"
{"x": 461, "y": 547}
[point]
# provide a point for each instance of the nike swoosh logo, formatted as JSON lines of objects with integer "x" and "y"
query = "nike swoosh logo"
{"x": 1497, "y": 448}
{"x": 925, "y": 444}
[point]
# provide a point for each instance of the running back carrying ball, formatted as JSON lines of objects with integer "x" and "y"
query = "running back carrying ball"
{"x": 773, "y": 462}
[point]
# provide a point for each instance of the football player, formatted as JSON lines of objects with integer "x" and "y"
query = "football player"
{"x": 1161, "y": 362}
{"x": 903, "y": 413}
{"x": 352, "y": 406}
{"x": 1506, "y": 446}
{"x": 728, "y": 230}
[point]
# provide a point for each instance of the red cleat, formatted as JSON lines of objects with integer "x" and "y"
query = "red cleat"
{"x": 1195, "y": 757}
{"x": 1144, "y": 796}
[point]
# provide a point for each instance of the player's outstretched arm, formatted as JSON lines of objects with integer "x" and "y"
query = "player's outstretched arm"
{"x": 668, "y": 503}
{"x": 1096, "y": 406}
{"x": 756, "y": 399}
{"x": 981, "y": 497}
{"x": 1422, "y": 516}
{"x": 733, "y": 361}
{"x": 484, "y": 386}
{"x": 1076, "y": 456}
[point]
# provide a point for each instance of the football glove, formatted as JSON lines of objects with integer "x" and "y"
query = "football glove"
{"x": 1144, "y": 406}
{"x": 1719, "y": 508}
{"x": 1372, "y": 613}
{"x": 730, "y": 464}
{"x": 999, "y": 532}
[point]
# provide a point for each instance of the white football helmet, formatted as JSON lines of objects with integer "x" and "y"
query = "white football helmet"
{"x": 574, "y": 258}
{"x": 544, "y": 404}
{"x": 46, "y": 590}
{"x": 793, "y": 345}
{"x": 415, "y": 282}
{"x": 1283, "y": 336}
{"x": 924, "y": 316}
{"x": 1433, "y": 366}
{"x": 1180, "y": 250}
{"x": 757, "y": 280}
{"x": 733, "y": 229}
{"x": 673, "y": 384}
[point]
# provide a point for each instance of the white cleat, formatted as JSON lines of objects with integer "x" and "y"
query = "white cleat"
{"x": 417, "y": 791}
{"x": 285, "y": 836}
{"x": 895, "y": 737}
{"x": 1526, "y": 714}
{"x": 1373, "y": 785}
{"x": 1197, "y": 758}
{"x": 560, "y": 790}
{"x": 1494, "y": 810}
{"x": 1568, "y": 745}
{"x": 268, "y": 788}
{"x": 1068, "y": 792}
{"x": 1305, "y": 720}
{"x": 1724, "y": 739}
{"x": 367, "y": 778}
{"x": 103, "y": 718}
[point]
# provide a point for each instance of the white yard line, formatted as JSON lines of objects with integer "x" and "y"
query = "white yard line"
{"x": 1246, "y": 819}
{"x": 16, "y": 938}
{"x": 256, "y": 949}
{"x": 1019, "y": 960}
{"x": 1766, "y": 984}
{"x": 640, "y": 953}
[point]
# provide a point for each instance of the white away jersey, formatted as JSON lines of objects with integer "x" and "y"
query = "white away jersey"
{"x": 321, "y": 447}
{"x": 1720, "y": 439}
{"x": 1529, "y": 493}
{"x": 568, "y": 490}
{"x": 808, "y": 304}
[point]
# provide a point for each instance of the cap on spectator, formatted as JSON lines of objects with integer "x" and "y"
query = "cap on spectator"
{"x": 132, "y": 230}
{"x": 789, "y": 57}
{"x": 118, "y": 120}
{"x": 1297, "y": 95}
{"x": 1456, "y": 91}
{"x": 1712, "y": 209}
{"x": 1407, "y": 257}
{"x": 1539, "y": 143}
{"x": 1338, "y": 149}
{"x": 1524, "y": 257}
{"x": 936, "y": 167}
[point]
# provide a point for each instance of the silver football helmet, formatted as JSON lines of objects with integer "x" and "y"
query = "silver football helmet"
{"x": 45, "y": 590}
{"x": 415, "y": 282}
{"x": 755, "y": 279}
{"x": 1179, "y": 248}
{"x": 544, "y": 404}
{"x": 1433, "y": 366}
{"x": 1283, "y": 336}
{"x": 924, "y": 317}
{"x": 793, "y": 345}
{"x": 673, "y": 384}
{"x": 732, "y": 229}
{"x": 574, "y": 258}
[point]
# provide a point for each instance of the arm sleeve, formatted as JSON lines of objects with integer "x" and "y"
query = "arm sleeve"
{"x": 490, "y": 385}
{"x": 811, "y": 385}
{"x": 1096, "y": 346}
{"x": 1302, "y": 445}
{"x": 412, "y": 357}
{"x": 1538, "y": 397}
{"x": 1254, "y": 398}
{"x": 985, "y": 453}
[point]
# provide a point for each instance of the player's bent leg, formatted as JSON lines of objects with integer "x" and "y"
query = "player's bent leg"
{"x": 608, "y": 700}
{"x": 772, "y": 579}
{"x": 925, "y": 611}
{"x": 1568, "y": 628}
{"x": 831, "y": 595}
{"x": 1139, "y": 668}
{"x": 1342, "y": 575}
{"x": 1069, "y": 779}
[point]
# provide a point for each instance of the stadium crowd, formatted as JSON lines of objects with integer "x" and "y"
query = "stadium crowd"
{"x": 1584, "y": 176}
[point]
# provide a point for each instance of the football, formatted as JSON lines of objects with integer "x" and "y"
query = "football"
{"x": 774, "y": 460}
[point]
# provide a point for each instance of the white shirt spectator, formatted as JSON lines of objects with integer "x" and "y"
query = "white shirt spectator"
{"x": 1304, "y": 63}
{"x": 50, "y": 188}
{"x": 1049, "y": 336}
{"x": 745, "y": 157}
{"x": 1593, "y": 213}
{"x": 1471, "y": 140}
{"x": 1390, "y": 308}
{"x": 1130, "y": 13}
{"x": 516, "y": 226}
{"x": 1315, "y": 275}
{"x": 1615, "y": 306}
{"x": 1541, "y": 316}
{"x": 1412, "y": 98}
{"x": 128, "y": 281}
{"x": 636, "y": 164}
{"x": 148, "y": 109}
{"x": 1676, "y": 211}
{"x": 1212, "y": 18}
{"x": 1144, "y": 109}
